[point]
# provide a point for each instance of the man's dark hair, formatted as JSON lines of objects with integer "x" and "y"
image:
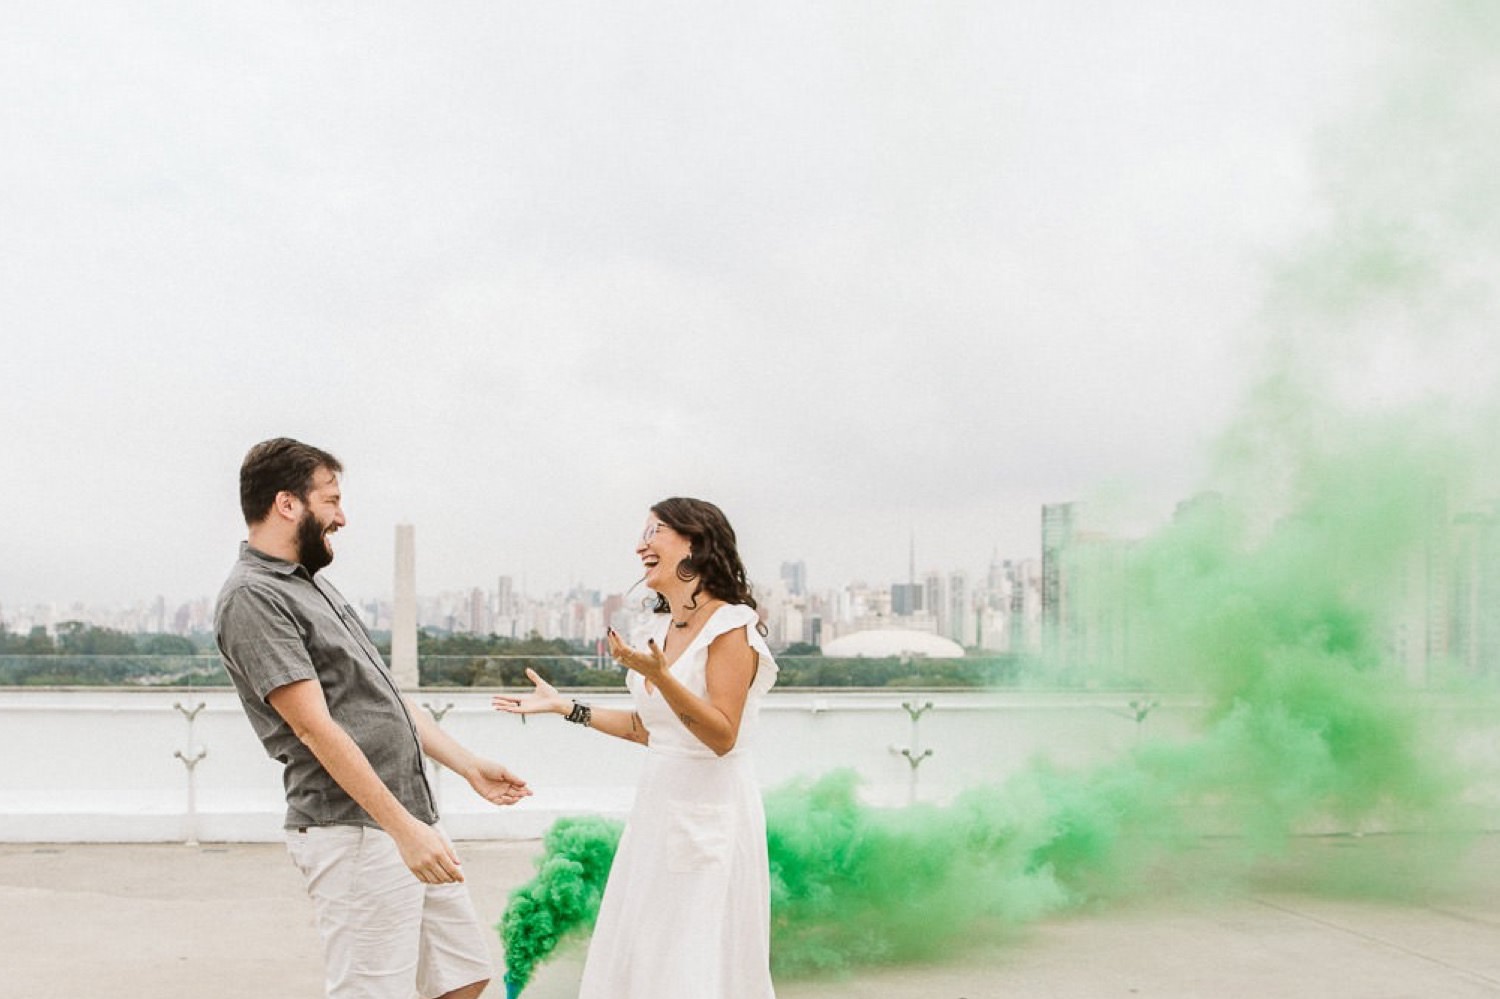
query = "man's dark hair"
{"x": 279, "y": 465}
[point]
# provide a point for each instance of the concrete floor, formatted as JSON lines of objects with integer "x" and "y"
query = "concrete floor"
{"x": 230, "y": 921}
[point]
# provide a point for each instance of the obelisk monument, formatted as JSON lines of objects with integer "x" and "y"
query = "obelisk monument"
{"x": 404, "y": 614}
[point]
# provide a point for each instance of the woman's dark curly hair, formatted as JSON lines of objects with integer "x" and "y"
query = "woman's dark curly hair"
{"x": 715, "y": 560}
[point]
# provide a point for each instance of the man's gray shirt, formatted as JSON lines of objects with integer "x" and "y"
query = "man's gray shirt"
{"x": 276, "y": 624}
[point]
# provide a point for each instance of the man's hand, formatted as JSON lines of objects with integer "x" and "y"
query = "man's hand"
{"x": 427, "y": 854}
{"x": 423, "y": 849}
{"x": 497, "y": 785}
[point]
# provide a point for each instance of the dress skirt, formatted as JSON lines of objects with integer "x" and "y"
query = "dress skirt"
{"x": 686, "y": 910}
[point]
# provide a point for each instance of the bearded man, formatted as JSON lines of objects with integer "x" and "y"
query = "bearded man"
{"x": 361, "y": 824}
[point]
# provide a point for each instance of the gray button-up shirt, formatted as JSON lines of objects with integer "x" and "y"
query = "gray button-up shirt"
{"x": 276, "y": 624}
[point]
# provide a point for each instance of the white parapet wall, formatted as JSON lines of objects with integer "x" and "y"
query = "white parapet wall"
{"x": 112, "y": 765}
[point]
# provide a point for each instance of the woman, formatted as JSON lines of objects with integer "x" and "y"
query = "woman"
{"x": 686, "y": 910}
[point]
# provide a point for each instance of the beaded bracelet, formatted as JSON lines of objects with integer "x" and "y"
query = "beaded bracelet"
{"x": 581, "y": 714}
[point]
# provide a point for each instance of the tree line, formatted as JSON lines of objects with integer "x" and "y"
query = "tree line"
{"x": 80, "y": 654}
{"x": 75, "y": 638}
{"x": 496, "y": 661}
{"x": 85, "y": 655}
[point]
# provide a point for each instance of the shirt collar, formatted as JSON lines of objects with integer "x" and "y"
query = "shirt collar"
{"x": 277, "y": 565}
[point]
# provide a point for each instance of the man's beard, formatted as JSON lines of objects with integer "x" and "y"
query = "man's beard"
{"x": 313, "y": 552}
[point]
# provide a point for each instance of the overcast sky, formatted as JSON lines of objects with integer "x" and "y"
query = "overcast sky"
{"x": 856, "y": 271}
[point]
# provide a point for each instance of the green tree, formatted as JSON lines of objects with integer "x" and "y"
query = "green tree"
{"x": 37, "y": 643}
{"x": 165, "y": 645}
{"x": 79, "y": 639}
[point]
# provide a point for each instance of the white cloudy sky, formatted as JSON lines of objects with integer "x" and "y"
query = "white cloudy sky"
{"x": 854, "y": 270}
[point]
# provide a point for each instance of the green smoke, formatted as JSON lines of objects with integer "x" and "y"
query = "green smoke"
{"x": 1307, "y": 728}
{"x": 1322, "y": 575}
{"x": 564, "y": 896}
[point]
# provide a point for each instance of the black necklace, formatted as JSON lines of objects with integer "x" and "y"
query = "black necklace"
{"x": 685, "y": 621}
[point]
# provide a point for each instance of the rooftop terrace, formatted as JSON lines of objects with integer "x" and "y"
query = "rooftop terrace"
{"x": 99, "y": 894}
{"x": 231, "y": 921}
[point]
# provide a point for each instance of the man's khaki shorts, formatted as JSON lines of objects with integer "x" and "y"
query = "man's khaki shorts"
{"x": 384, "y": 932}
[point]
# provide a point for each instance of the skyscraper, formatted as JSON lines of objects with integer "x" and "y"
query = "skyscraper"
{"x": 935, "y": 600}
{"x": 1057, "y": 534}
{"x": 505, "y": 597}
{"x": 794, "y": 575}
{"x": 906, "y": 599}
{"x": 479, "y": 613}
{"x": 1476, "y": 592}
{"x": 959, "y": 612}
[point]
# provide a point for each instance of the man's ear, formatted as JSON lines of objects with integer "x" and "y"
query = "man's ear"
{"x": 287, "y": 505}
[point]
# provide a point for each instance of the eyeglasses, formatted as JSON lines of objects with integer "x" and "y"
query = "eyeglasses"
{"x": 650, "y": 532}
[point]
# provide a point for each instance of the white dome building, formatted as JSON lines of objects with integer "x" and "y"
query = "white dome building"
{"x": 887, "y": 643}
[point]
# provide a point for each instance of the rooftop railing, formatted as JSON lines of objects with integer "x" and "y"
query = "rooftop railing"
{"x": 464, "y": 671}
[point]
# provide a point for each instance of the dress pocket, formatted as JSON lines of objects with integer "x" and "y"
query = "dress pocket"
{"x": 698, "y": 836}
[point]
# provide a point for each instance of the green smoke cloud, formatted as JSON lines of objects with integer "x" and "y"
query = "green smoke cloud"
{"x": 1344, "y": 553}
{"x": 564, "y": 896}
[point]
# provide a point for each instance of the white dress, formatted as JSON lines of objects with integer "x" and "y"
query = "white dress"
{"x": 686, "y": 912}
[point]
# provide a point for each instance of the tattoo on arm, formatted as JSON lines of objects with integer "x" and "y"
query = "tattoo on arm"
{"x": 687, "y": 720}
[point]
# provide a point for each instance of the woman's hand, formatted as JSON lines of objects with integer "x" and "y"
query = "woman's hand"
{"x": 650, "y": 664}
{"x": 542, "y": 700}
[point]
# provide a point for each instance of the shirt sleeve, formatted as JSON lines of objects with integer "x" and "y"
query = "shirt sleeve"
{"x": 262, "y": 641}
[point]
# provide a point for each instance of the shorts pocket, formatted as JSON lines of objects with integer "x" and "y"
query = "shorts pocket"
{"x": 698, "y": 836}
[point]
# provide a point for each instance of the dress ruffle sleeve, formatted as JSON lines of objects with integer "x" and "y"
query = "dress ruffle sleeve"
{"x": 732, "y": 616}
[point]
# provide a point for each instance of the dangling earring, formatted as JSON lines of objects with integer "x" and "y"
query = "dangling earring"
{"x": 687, "y": 570}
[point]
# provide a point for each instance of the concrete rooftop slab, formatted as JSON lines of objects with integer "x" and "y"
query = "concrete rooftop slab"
{"x": 230, "y": 921}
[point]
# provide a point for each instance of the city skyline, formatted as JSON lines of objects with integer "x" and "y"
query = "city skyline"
{"x": 160, "y": 607}
{"x": 1070, "y": 607}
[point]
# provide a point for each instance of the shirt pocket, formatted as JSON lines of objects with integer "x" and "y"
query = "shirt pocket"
{"x": 698, "y": 836}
